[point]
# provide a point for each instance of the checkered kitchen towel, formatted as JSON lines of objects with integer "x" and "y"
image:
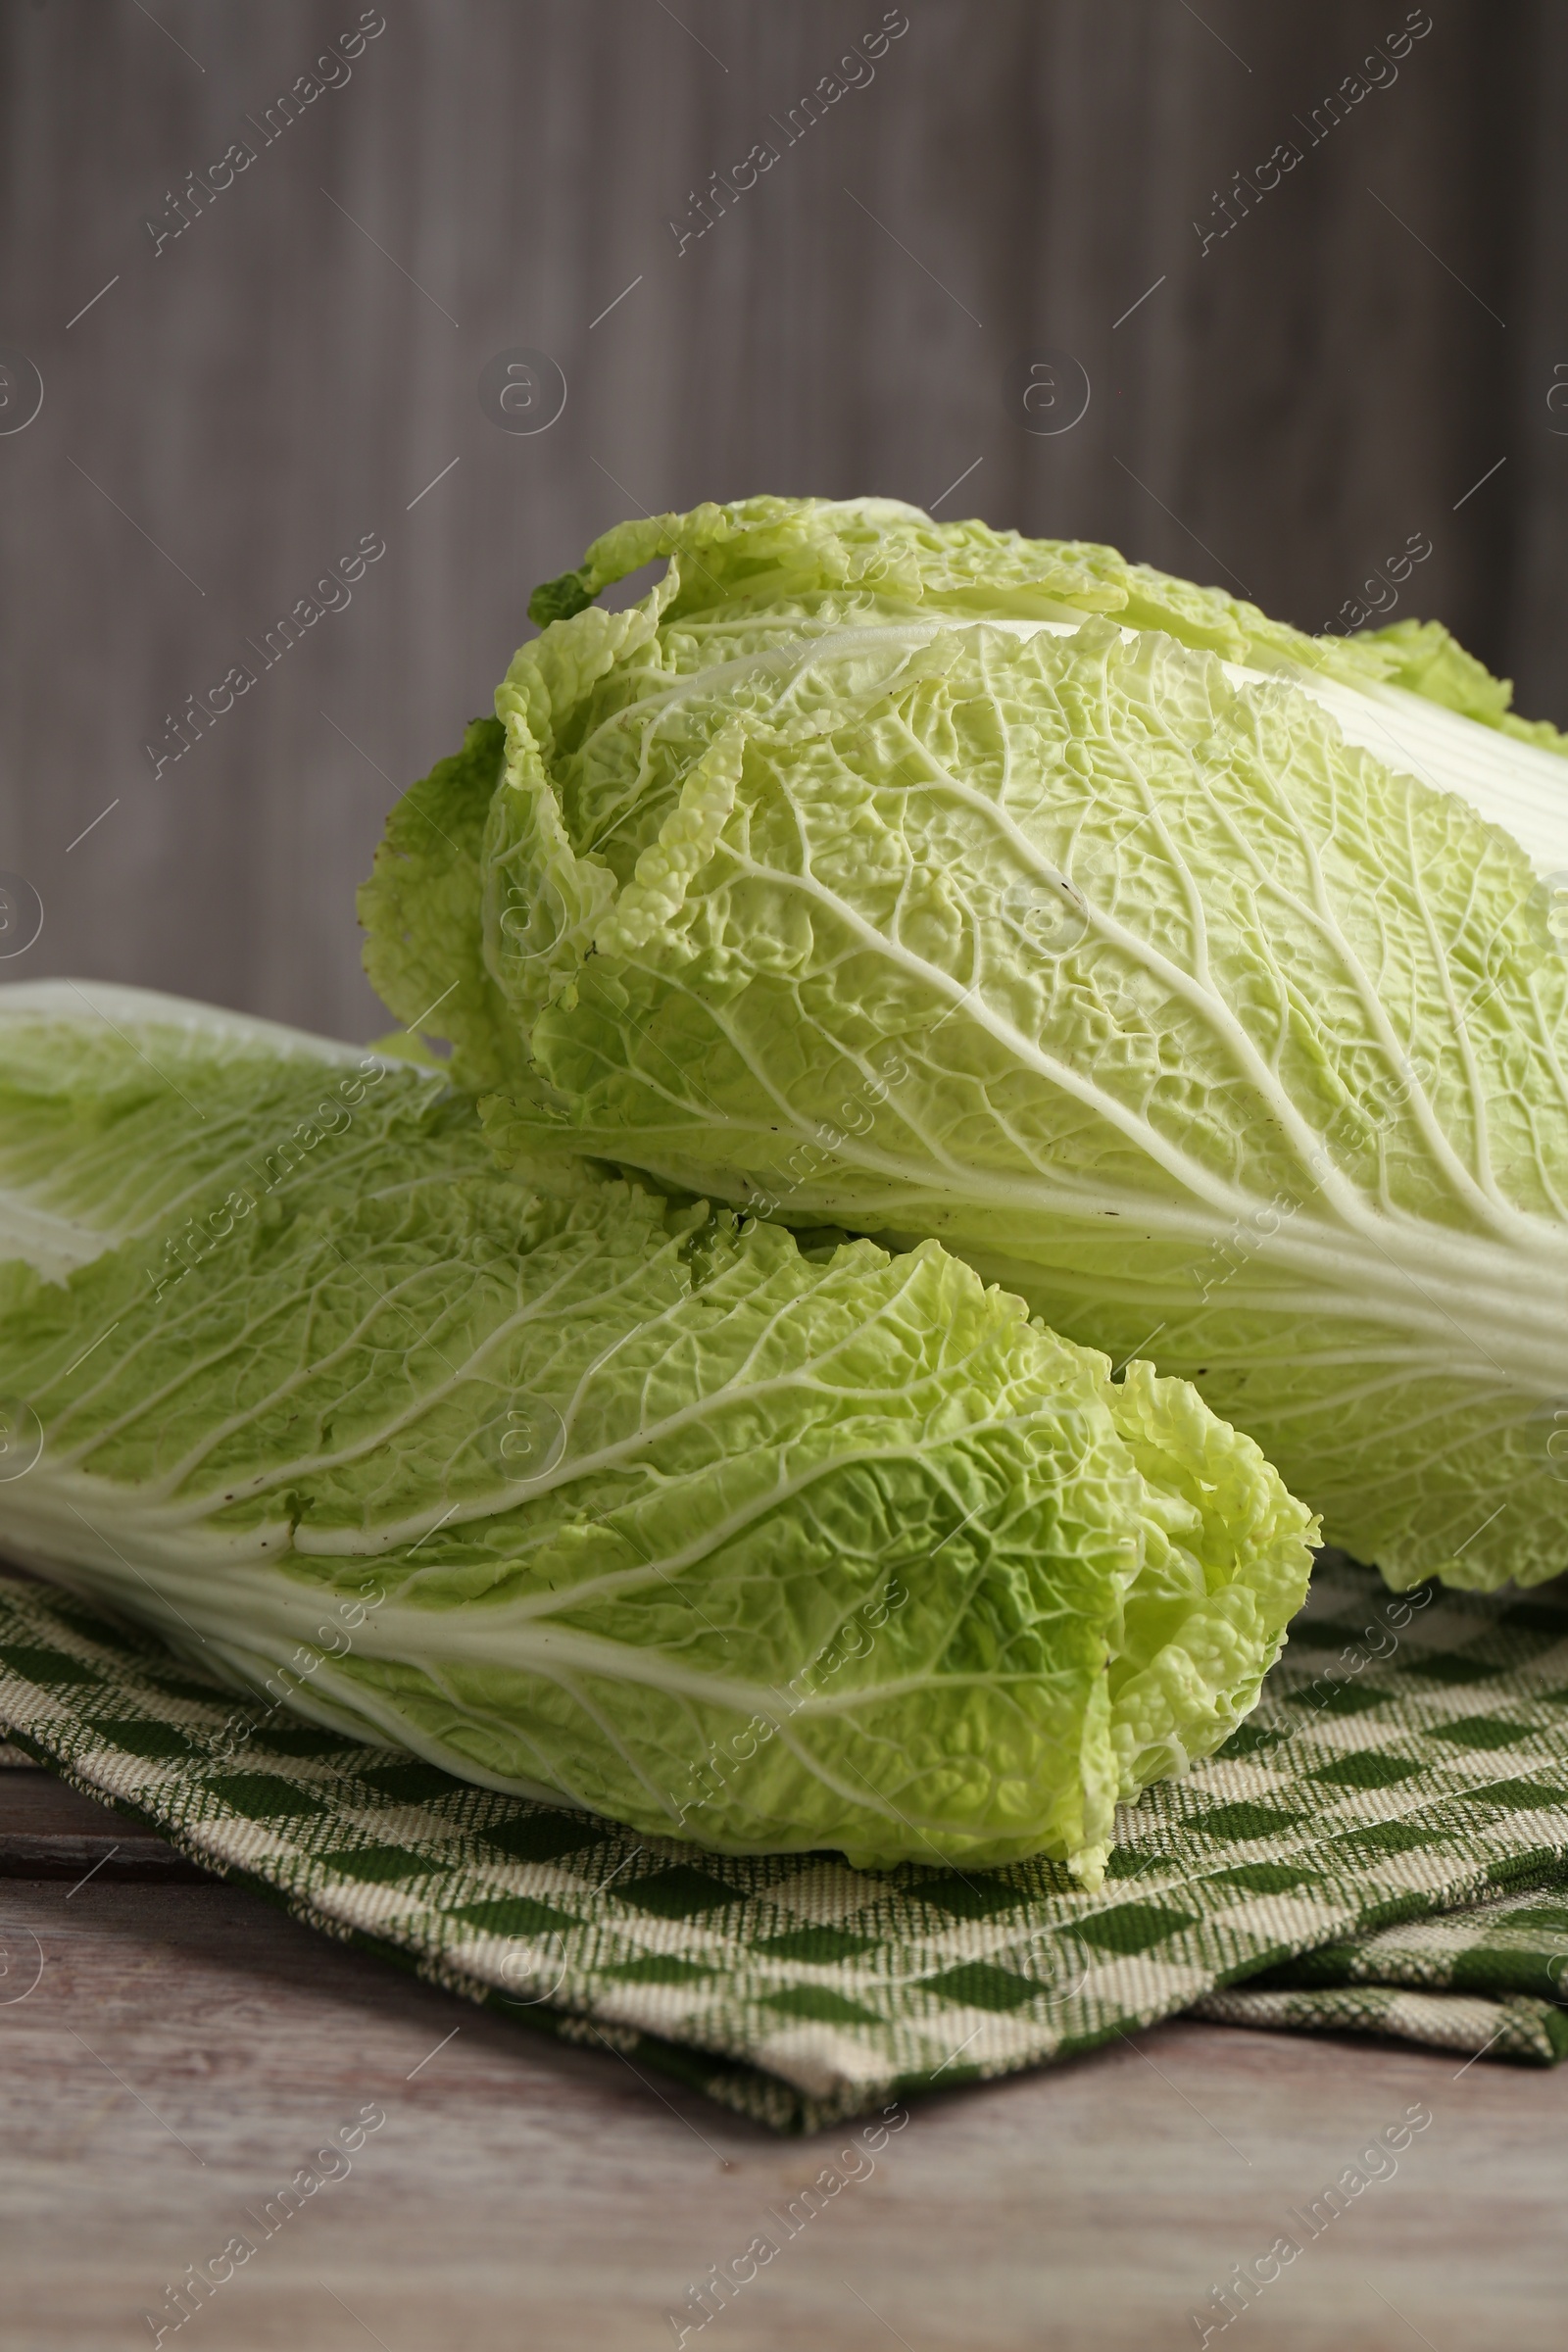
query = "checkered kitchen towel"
{"x": 1375, "y": 1848}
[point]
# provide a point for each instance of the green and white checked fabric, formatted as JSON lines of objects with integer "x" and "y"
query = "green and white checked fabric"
{"x": 1486, "y": 1979}
{"x": 1374, "y": 1848}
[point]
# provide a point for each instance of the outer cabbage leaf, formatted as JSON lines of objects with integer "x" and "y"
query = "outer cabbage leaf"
{"x": 596, "y": 1498}
{"x": 1433, "y": 664}
{"x": 832, "y": 561}
{"x": 423, "y": 953}
{"x": 450, "y": 903}
{"x": 127, "y": 1114}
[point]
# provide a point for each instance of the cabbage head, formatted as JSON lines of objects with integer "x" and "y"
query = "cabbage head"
{"x": 635, "y": 1506}
{"x": 1200, "y": 981}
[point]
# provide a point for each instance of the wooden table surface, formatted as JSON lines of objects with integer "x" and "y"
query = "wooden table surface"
{"x": 173, "y": 2050}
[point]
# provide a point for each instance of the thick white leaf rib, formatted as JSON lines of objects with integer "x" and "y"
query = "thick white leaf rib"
{"x": 494, "y": 1635}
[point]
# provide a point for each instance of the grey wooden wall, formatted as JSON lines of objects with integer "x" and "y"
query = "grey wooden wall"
{"x": 1375, "y": 334}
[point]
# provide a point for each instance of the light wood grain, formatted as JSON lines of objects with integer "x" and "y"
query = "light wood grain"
{"x": 185, "y": 2049}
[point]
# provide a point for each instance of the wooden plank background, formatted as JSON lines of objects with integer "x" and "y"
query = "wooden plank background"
{"x": 246, "y": 400}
